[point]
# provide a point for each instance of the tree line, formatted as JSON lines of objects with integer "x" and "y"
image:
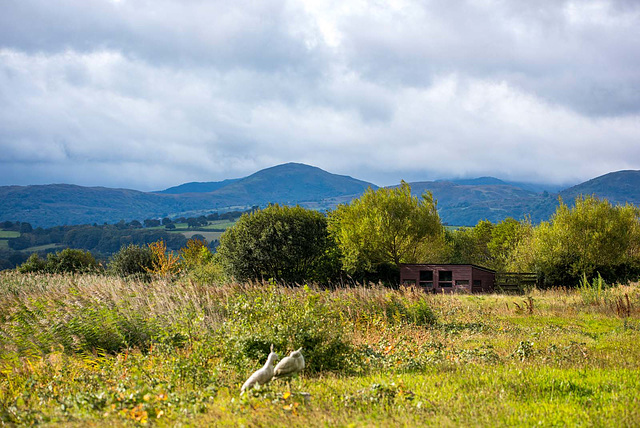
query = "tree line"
{"x": 368, "y": 238}
{"x": 102, "y": 240}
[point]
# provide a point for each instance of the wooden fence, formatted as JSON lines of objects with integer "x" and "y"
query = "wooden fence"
{"x": 515, "y": 282}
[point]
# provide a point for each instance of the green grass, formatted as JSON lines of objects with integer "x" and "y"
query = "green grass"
{"x": 6, "y": 234}
{"x": 94, "y": 350}
{"x": 209, "y": 236}
{"x": 42, "y": 248}
{"x": 4, "y": 244}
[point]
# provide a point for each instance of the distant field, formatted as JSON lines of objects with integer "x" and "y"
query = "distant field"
{"x": 5, "y": 234}
{"x": 218, "y": 224}
{"x": 4, "y": 244}
{"x": 42, "y": 248}
{"x": 210, "y": 236}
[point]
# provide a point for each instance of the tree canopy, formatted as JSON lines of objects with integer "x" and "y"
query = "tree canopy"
{"x": 385, "y": 226}
{"x": 289, "y": 244}
{"x": 593, "y": 237}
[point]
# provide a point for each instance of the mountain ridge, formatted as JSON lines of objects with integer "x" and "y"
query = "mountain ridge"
{"x": 460, "y": 202}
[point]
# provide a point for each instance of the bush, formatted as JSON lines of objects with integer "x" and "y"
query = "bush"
{"x": 287, "y": 320}
{"x": 65, "y": 261}
{"x": 132, "y": 260}
{"x": 71, "y": 261}
{"x": 289, "y": 244}
{"x": 34, "y": 264}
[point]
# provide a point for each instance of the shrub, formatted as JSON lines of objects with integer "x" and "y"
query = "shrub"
{"x": 34, "y": 264}
{"x": 65, "y": 261}
{"x": 289, "y": 244}
{"x": 71, "y": 261}
{"x": 132, "y": 260}
{"x": 289, "y": 321}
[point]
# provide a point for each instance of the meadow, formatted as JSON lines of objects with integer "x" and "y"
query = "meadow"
{"x": 92, "y": 350}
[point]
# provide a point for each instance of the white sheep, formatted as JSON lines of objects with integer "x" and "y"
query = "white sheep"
{"x": 290, "y": 365}
{"x": 263, "y": 375}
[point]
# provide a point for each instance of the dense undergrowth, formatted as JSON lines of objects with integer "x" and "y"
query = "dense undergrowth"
{"x": 98, "y": 350}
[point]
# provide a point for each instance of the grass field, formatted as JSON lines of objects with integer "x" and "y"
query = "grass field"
{"x": 6, "y": 234}
{"x": 92, "y": 350}
{"x": 4, "y": 244}
{"x": 43, "y": 248}
{"x": 209, "y": 236}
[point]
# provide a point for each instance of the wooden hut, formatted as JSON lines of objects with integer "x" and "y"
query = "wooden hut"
{"x": 441, "y": 278}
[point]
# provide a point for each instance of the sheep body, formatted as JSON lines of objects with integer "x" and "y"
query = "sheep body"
{"x": 263, "y": 375}
{"x": 290, "y": 365}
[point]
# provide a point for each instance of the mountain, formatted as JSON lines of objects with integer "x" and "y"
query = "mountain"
{"x": 617, "y": 187}
{"x": 59, "y": 204}
{"x": 293, "y": 183}
{"x": 197, "y": 187}
{"x": 460, "y": 202}
{"x": 466, "y": 204}
{"x": 533, "y": 187}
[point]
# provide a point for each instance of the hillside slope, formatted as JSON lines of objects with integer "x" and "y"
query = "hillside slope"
{"x": 197, "y": 187}
{"x": 466, "y": 204}
{"x": 617, "y": 187}
{"x": 293, "y": 183}
{"x": 60, "y": 204}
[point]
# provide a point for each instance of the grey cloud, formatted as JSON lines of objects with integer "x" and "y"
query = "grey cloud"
{"x": 225, "y": 34}
{"x": 151, "y": 94}
{"x": 582, "y": 62}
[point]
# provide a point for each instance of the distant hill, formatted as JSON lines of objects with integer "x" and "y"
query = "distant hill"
{"x": 460, "y": 202}
{"x": 60, "y": 204}
{"x": 66, "y": 204}
{"x": 466, "y": 204}
{"x": 293, "y": 183}
{"x": 617, "y": 187}
{"x": 197, "y": 187}
{"x": 533, "y": 187}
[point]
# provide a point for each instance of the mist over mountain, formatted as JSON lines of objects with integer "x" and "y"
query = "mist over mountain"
{"x": 460, "y": 202}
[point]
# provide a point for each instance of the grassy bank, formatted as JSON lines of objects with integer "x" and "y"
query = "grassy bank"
{"x": 97, "y": 350}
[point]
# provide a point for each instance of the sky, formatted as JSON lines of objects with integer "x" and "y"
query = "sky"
{"x": 148, "y": 94}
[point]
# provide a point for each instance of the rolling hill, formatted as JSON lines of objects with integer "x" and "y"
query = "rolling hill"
{"x": 60, "y": 204}
{"x": 460, "y": 202}
{"x": 197, "y": 187}
{"x": 617, "y": 187}
{"x": 466, "y": 204}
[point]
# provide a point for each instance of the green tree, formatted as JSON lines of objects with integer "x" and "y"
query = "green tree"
{"x": 470, "y": 245}
{"x": 593, "y": 237}
{"x": 132, "y": 260}
{"x": 386, "y": 226}
{"x": 65, "y": 261}
{"x": 289, "y": 244}
{"x": 496, "y": 246}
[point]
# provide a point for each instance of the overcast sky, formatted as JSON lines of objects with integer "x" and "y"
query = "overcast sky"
{"x": 147, "y": 94}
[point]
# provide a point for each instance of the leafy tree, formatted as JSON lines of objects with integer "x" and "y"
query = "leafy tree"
{"x": 594, "y": 237}
{"x": 470, "y": 245}
{"x": 34, "y": 264}
{"x": 289, "y": 244}
{"x": 386, "y": 226}
{"x": 132, "y": 260}
{"x": 151, "y": 222}
{"x": 71, "y": 261}
{"x": 65, "y": 261}
{"x": 164, "y": 262}
{"x": 506, "y": 236}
